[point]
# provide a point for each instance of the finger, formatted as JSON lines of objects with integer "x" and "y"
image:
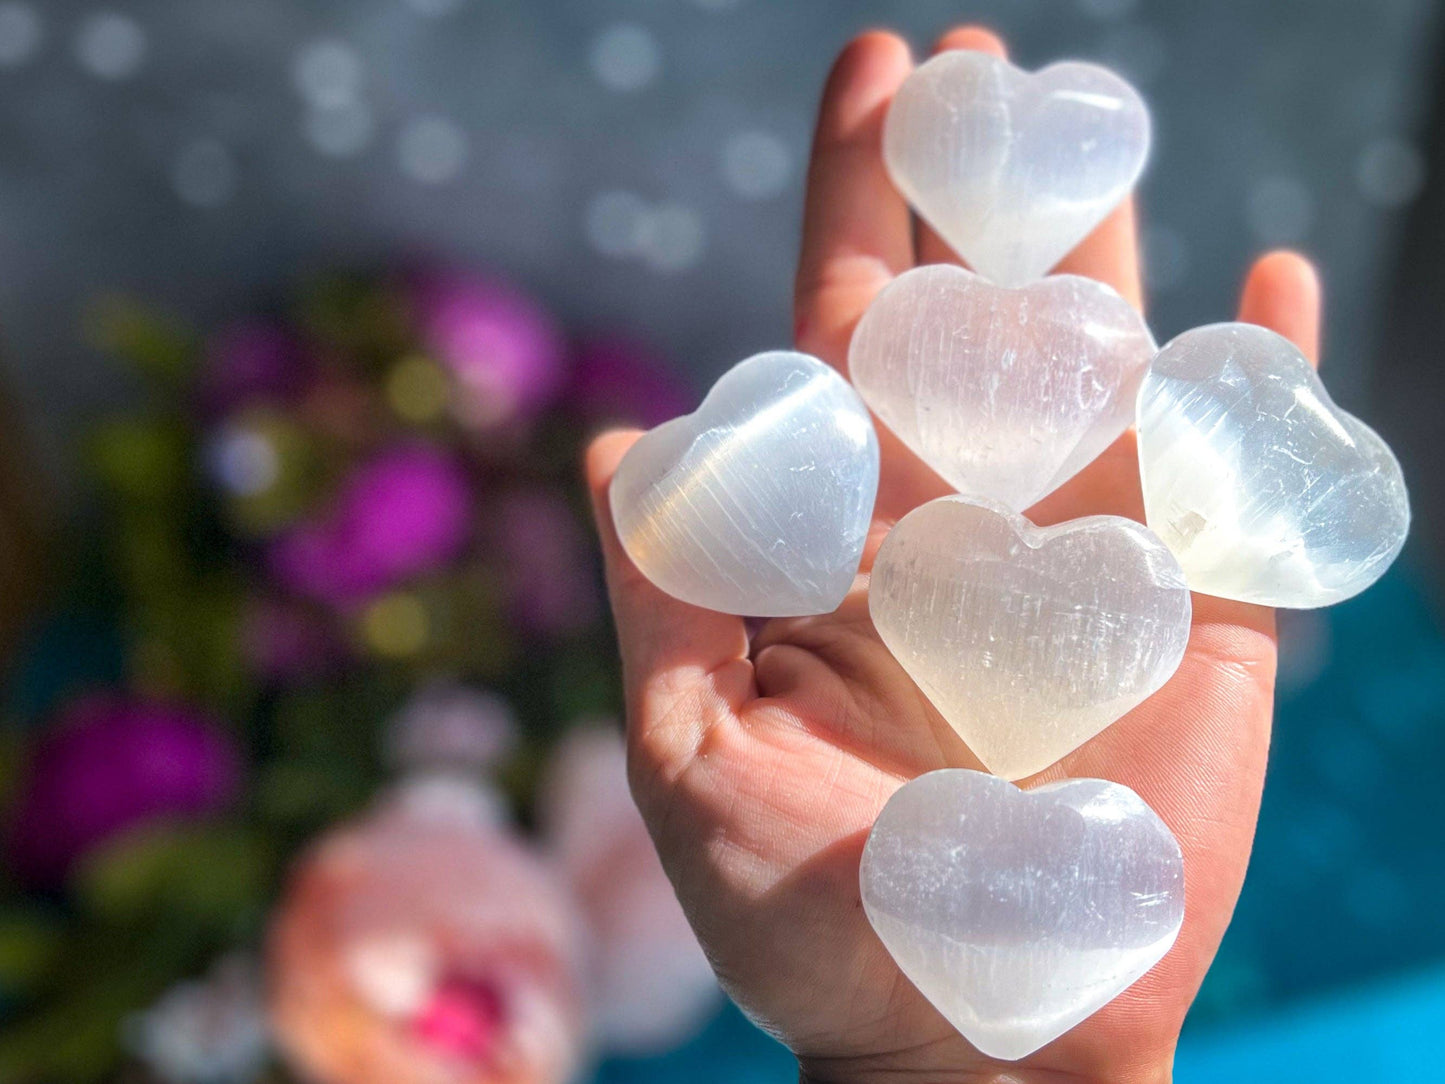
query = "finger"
{"x": 931, "y": 247}
{"x": 671, "y": 652}
{"x": 856, "y": 227}
{"x": 1282, "y": 293}
{"x": 1111, "y": 254}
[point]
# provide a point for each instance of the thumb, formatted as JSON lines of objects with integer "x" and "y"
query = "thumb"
{"x": 681, "y": 664}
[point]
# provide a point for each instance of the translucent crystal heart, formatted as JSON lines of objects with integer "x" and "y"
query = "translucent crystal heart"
{"x": 1028, "y": 640}
{"x": 1265, "y": 490}
{"x": 1020, "y": 913}
{"x": 1005, "y": 393}
{"x": 758, "y": 503}
{"x": 1013, "y": 168}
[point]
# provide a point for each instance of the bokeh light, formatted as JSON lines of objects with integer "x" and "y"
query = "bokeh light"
{"x": 328, "y": 74}
{"x": 110, "y": 45}
{"x": 21, "y": 34}
{"x": 625, "y": 57}
{"x": 756, "y": 164}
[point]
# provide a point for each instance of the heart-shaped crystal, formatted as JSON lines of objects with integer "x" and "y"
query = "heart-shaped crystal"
{"x": 758, "y": 503}
{"x": 1006, "y": 393}
{"x": 1020, "y": 913}
{"x": 1265, "y": 490}
{"x": 1028, "y": 640}
{"x": 1013, "y": 168}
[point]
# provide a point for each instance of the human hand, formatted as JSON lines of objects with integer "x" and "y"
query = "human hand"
{"x": 760, "y": 766}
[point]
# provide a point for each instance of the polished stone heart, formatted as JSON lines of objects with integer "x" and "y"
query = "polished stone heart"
{"x": 1020, "y": 913}
{"x": 1013, "y": 168}
{"x": 1265, "y": 490}
{"x": 1028, "y": 640}
{"x": 758, "y": 503}
{"x": 1006, "y": 393}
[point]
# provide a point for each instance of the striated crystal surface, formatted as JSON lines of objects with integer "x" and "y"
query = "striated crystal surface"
{"x": 758, "y": 503}
{"x": 1020, "y": 913}
{"x": 1265, "y": 490}
{"x": 1006, "y": 393}
{"x": 1028, "y": 640}
{"x": 1014, "y": 168}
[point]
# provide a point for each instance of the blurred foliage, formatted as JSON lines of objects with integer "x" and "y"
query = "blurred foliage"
{"x": 173, "y": 562}
{"x": 159, "y": 346}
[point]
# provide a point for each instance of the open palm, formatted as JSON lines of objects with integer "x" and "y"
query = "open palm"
{"x": 760, "y": 764}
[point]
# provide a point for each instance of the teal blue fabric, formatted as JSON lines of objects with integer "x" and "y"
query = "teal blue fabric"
{"x": 1393, "y": 1031}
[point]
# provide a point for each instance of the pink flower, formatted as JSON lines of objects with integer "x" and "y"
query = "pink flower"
{"x": 112, "y": 762}
{"x": 621, "y": 383}
{"x": 406, "y": 512}
{"x": 463, "y": 1017}
{"x": 424, "y": 945}
{"x": 652, "y": 988}
{"x": 507, "y": 356}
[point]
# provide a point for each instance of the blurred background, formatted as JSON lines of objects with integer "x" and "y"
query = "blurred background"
{"x": 310, "y": 763}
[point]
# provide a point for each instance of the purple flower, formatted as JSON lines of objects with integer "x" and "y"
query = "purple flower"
{"x": 620, "y": 383}
{"x": 404, "y": 513}
{"x": 547, "y": 570}
{"x": 507, "y": 356}
{"x": 112, "y": 762}
{"x": 248, "y": 363}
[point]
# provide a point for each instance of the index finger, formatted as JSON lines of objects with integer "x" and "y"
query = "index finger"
{"x": 857, "y": 231}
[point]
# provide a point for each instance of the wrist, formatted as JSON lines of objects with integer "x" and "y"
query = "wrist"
{"x": 850, "y": 1071}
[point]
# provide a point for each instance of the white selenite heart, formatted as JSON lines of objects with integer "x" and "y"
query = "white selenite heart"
{"x": 1006, "y": 393}
{"x": 1265, "y": 490}
{"x": 1020, "y": 913}
{"x": 1028, "y": 640}
{"x": 1013, "y": 168}
{"x": 758, "y": 503}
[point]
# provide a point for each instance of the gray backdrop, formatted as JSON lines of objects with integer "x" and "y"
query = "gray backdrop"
{"x": 637, "y": 162}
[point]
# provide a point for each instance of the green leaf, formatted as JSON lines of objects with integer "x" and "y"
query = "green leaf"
{"x": 29, "y": 943}
{"x": 215, "y": 875}
{"x": 145, "y": 459}
{"x": 156, "y": 345}
{"x": 311, "y": 793}
{"x": 105, "y": 974}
